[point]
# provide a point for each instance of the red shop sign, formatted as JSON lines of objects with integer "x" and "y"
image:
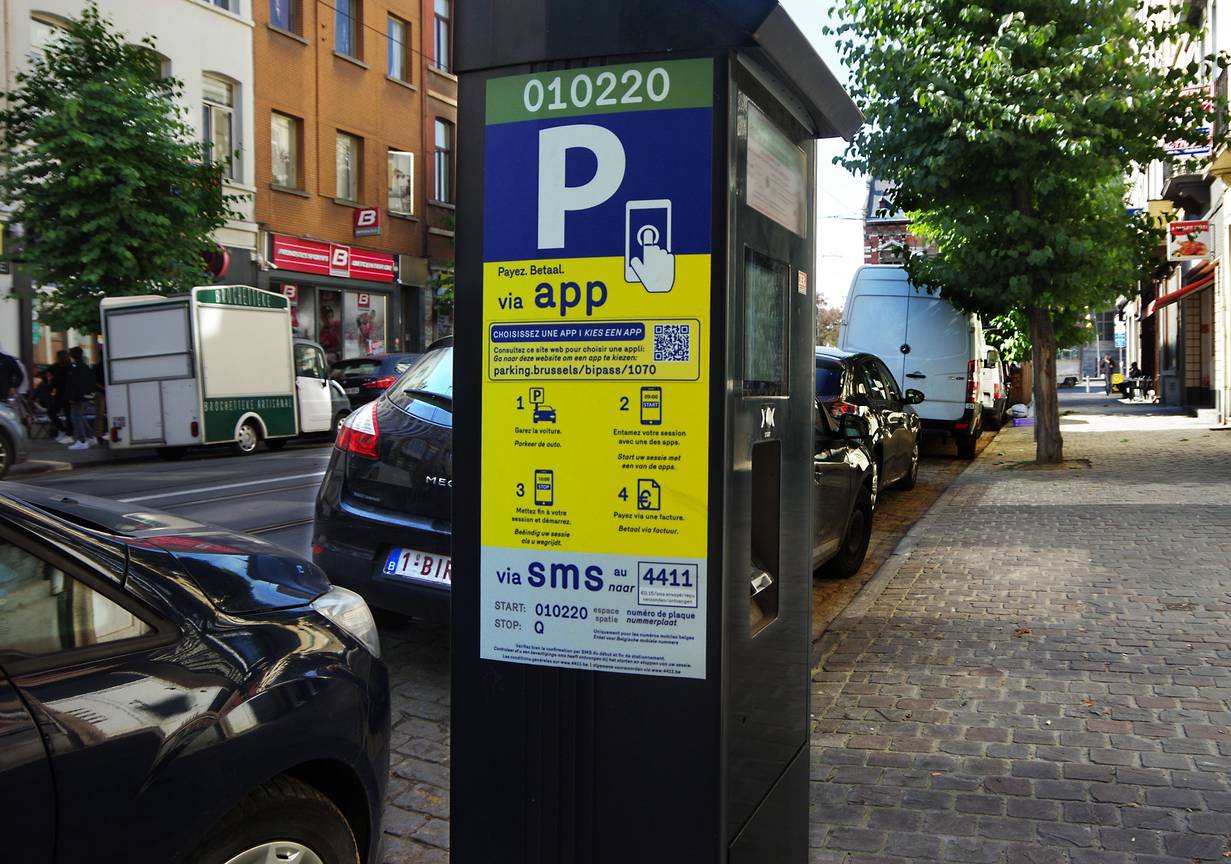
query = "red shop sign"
{"x": 330, "y": 259}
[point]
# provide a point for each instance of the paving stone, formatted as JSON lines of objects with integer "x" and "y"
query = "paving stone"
{"x": 1135, "y": 840}
{"x": 855, "y": 839}
{"x": 913, "y": 846}
{"x": 1197, "y": 847}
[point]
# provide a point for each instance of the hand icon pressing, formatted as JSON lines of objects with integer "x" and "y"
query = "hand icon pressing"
{"x": 656, "y": 268}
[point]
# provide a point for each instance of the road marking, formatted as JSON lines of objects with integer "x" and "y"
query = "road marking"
{"x": 220, "y": 487}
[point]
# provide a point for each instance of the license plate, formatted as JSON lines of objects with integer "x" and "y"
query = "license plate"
{"x": 419, "y": 566}
{"x": 352, "y": 391}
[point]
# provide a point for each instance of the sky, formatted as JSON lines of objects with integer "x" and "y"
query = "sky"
{"x": 839, "y": 195}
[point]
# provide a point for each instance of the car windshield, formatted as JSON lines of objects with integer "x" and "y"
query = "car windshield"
{"x": 828, "y": 380}
{"x": 430, "y": 379}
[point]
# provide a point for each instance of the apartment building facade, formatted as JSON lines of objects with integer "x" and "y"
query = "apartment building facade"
{"x": 351, "y": 228}
{"x": 206, "y": 44}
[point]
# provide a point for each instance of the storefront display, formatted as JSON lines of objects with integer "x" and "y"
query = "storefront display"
{"x": 340, "y": 296}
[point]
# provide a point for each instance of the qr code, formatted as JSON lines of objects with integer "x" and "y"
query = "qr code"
{"x": 672, "y": 343}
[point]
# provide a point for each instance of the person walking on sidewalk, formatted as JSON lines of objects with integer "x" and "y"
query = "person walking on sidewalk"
{"x": 1109, "y": 367}
{"x": 81, "y": 386}
{"x": 57, "y": 411}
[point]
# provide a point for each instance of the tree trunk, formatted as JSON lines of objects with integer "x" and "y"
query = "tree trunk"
{"x": 1048, "y": 443}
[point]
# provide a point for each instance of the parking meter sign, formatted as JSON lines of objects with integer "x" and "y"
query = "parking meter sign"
{"x": 596, "y": 306}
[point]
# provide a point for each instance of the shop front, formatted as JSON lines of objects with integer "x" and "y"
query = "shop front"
{"x": 343, "y": 297}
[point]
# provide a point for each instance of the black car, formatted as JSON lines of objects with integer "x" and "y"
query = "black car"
{"x": 383, "y": 511}
{"x": 171, "y": 691}
{"x": 860, "y": 384}
{"x": 843, "y": 498}
{"x": 365, "y": 378}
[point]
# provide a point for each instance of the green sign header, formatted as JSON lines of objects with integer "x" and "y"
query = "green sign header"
{"x": 241, "y": 295}
{"x": 601, "y": 90}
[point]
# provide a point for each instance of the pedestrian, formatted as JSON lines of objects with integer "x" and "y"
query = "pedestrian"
{"x": 12, "y": 376}
{"x": 1134, "y": 371}
{"x": 57, "y": 413}
{"x": 1109, "y": 367}
{"x": 100, "y": 402}
{"x": 81, "y": 388}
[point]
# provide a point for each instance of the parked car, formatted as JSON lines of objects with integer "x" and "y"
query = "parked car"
{"x": 994, "y": 389}
{"x": 860, "y": 384}
{"x": 14, "y": 442}
{"x": 170, "y": 691}
{"x": 926, "y": 343}
{"x": 844, "y": 474}
{"x": 365, "y": 378}
{"x": 382, "y": 522}
{"x": 310, "y": 355}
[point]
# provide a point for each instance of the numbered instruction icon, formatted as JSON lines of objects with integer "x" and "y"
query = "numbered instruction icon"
{"x": 544, "y": 487}
{"x": 651, "y": 406}
{"x": 649, "y": 494}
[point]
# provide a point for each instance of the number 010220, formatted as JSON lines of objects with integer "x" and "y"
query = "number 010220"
{"x": 631, "y": 87}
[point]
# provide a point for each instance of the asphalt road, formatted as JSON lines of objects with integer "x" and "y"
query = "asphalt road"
{"x": 267, "y": 494}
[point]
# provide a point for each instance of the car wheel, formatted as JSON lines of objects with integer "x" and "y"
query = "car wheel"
{"x": 966, "y": 446}
{"x": 338, "y": 421}
{"x": 994, "y": 421}
{"x": 247, "y": 439}
{"x": 284, "y": 820}
{"x": 912, "y": 475}
{"x": 171, "y": 454}
{"x": 854, "y": 547}
{"x": 8, "y": 453}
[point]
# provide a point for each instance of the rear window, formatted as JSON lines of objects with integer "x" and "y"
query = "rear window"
{"x": 354, "y": 369}
{"x": 430, "y": 378}
{"x": 828, "y": 381}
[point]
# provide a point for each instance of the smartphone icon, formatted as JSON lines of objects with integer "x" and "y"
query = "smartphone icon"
{"x": 645, "y": 223}
{"x": 651, "y": 406}
{"x": 544, "y": 488}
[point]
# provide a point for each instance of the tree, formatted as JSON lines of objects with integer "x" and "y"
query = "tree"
{"x": 1008, "y": 129}
{"x": 113, "y": 194}
{"x": 827, "y": 320}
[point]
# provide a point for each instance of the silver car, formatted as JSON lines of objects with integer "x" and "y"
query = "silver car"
{"x": 14, "y": 443}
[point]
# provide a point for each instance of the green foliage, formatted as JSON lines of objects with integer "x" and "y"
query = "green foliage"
{"x": 1008, "y": 128}
{"x": 442, "y": 287}
{"x": 828, "y": 320}
{"x": 105, "y": 177}
{"x": 1009, "y": 334}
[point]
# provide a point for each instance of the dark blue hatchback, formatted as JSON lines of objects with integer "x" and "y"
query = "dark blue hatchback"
{"x": 170, "y": 691}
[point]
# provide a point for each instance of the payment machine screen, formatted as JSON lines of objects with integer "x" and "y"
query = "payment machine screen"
{"x": 765, "y": 287}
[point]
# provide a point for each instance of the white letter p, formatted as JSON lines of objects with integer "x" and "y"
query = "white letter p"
{"x": 555, "y": 197}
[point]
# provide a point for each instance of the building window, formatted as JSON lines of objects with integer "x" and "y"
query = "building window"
{"x": 349, "y": 166}
{"x": 442, "y": 33}
{"x": 43, "y": 31}
{"x": 284, "y": 14}
{"x": 401, "y": 182}
{"x": 399, "y": 49}
{"x": 444, "y": 161}
{"x": 218, "y": 124}
{"x": 284, "y": 137}
{"x": 348, "y": 27}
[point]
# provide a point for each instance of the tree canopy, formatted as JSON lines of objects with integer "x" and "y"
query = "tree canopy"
{"x": 112, "y": 192}
{"x": 1009, "y": 130}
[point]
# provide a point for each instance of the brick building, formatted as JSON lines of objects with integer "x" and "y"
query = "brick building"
{"x": 886, "y": 229}
{"x": 343, "y": 170}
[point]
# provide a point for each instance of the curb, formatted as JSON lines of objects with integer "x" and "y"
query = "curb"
{"x": 871, "y": 591}
{"x": 35, "y": 467}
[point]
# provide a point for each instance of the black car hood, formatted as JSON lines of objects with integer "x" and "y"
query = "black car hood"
{"x": 238, "y": 573}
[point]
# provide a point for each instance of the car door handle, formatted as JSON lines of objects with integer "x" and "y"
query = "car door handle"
{"x": 916, "y": 375}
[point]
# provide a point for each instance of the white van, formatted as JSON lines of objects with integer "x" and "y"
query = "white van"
{"x": 926, "y": 343}
{"x": 215, "y": 366}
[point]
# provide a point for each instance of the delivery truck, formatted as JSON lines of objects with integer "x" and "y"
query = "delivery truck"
{"x": 217, "y": 366}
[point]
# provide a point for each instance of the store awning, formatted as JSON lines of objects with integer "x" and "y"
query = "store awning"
{"x": 1195, "y": 284}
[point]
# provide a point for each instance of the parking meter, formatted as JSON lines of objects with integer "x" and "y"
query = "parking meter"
{"x": 633, "y": 433}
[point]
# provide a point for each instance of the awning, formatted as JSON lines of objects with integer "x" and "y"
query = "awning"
{"x": 1205, "y": 280}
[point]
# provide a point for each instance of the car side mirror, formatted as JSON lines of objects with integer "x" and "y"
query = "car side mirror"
{"x": 853, "y": 427}
{"x": 914, "y": 397}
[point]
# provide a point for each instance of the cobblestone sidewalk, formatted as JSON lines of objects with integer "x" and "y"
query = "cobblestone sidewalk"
{"x": 1046, "y": 676}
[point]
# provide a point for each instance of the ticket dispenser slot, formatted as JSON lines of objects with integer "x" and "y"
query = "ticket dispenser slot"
{"x": 766, "y": 526}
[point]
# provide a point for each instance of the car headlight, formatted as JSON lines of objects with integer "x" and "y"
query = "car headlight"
{"x": 347, "y": 609}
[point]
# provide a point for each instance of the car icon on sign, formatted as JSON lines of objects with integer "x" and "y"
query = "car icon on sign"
{"x": 544, "y": 414}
